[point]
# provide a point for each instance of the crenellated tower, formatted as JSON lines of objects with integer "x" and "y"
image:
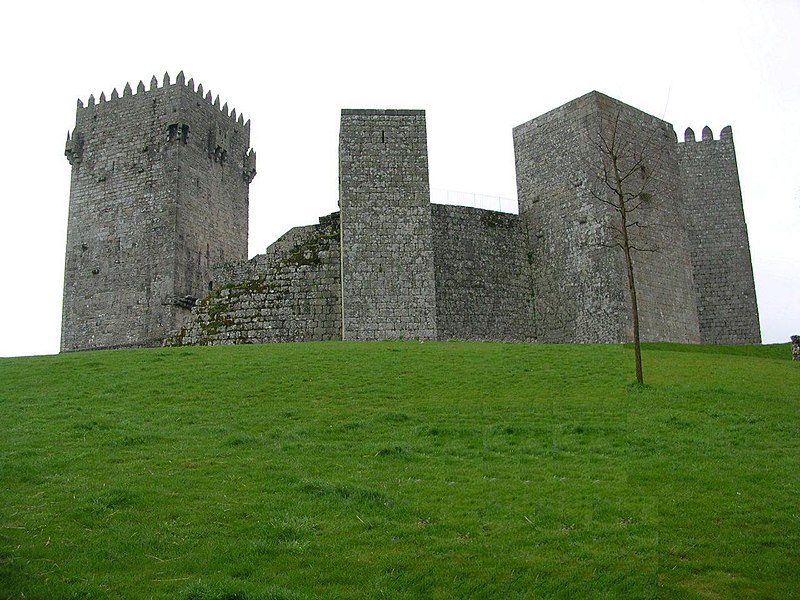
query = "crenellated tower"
{"x": 158, "y": 195}
{"x": 723, "y": 272}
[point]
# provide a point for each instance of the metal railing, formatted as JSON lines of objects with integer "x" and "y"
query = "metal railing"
{"x": 498, "y": 203}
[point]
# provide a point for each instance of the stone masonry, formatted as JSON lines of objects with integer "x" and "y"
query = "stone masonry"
{"x": 723, "y": 272}
{"x": 291, "y": 293}
{"x": 483, "y": 275}
{"x": 158, "y": 195}
{"x": 580, "y": 283}
{"x": 158, "y": 231}
{"x": 387, "y": 248}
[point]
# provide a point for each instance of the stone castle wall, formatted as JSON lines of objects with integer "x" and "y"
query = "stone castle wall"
{"x": 575, "y": 300}
{"x": 662, "y": 263}
{"x": 214, "y": 174}
{"x": 387, "y": 251}
{"x": 292, "y": 293}
{"x": 158, "y": 219}
{"x": 158, "y": 194}
{"x": 483, "y": 275}
{"x": 723, "y": 273}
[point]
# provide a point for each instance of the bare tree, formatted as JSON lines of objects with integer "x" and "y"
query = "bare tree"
{"x": 624, "y": 183}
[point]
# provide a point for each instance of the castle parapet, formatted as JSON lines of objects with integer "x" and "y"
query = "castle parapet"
{"x": 180, "y": 83}
{"x": 726, "y": 134}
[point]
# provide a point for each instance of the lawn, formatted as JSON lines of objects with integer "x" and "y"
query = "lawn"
{"x": 401, "y": 470}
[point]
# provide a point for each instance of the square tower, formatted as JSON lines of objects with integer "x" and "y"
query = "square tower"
{"x": 388, "y": 283}
{"x": 579, "y": 273}
{"x": 158, "y": 194}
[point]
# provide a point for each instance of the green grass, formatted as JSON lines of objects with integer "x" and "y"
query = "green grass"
{"x": 401, "y": 470}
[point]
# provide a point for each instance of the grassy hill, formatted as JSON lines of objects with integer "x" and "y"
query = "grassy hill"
{"x": 401, "y": 470}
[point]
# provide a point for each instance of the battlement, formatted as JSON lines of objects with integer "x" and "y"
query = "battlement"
{"x": 179, "y": 111}
{"x": 115, "y": 100}
{"x": 378, "y": 112}
{"x": 708, "y": 136}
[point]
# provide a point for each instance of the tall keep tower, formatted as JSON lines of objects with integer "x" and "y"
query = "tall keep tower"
{"x": 581, "y": 292}
{"x": 388, "y": 283}
{"x": 158, "y": 194}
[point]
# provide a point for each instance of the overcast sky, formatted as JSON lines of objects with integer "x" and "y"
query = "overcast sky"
{"x": 478, "y": 69}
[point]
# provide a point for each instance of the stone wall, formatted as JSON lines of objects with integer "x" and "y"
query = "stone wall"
{"x": 387, "y": 252}
{"x": 483, "y": 275}
{"x": 723, "y": 272}
{"x": 158, "y": 193}
{"x": 281, "y": 250}
{"x": 575, "y": 300}
{"x": 292, "y": 293}
{"x": 581, "y": 289}
{"x": 159, "y": 209}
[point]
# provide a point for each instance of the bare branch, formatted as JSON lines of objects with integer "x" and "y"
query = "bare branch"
{"x": 624, "y": 182}
{"x": 644, "y": 248}
{"x": 635, "y": 224}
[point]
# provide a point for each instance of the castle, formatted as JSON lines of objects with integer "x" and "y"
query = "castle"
{"x": 158, "y": 222}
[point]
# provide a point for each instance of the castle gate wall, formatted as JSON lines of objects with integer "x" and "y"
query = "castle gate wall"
{"x": 723, "y": 273}
{"x": 483, "y": 275}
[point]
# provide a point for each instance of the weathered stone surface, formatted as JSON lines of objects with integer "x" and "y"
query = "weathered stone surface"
{"x": 158, "y": 220}
{"x": 723, "y": 272}
{"x": 483, "y": 275}
{"x": 388, "y": 277}
{"x": 579, "y": 278}
{"x": 796, "y": 347}
{"x": 292, "y": 293}
{"x": 157, "y": 196}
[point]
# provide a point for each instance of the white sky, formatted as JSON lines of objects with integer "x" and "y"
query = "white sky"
{"x": 478, "y": 68}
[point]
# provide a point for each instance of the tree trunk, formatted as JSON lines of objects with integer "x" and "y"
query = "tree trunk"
{"x": 626, "y": 247}
{"x": 637, "y": 346}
